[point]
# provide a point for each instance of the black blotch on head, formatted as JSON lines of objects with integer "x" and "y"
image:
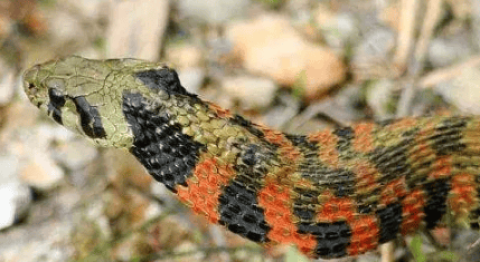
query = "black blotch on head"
{"x": 89, "y": 118}
{"x": 57, "y": 101}
{"x": 241, "y": 214}
{"x": 165, "y": 79}
{"x": 333, "y": 239}
{"x": 169, "y": 155}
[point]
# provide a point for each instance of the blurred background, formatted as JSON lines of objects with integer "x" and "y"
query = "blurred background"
{"x": 294, "y": 65}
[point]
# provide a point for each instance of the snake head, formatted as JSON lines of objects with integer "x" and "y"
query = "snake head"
{"x": 87, "y": 96}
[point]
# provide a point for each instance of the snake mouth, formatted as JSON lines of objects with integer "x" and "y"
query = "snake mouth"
{"x": 30, "y": 85}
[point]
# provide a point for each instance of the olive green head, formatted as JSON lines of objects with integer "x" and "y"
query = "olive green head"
{"x": 87, "y": 96}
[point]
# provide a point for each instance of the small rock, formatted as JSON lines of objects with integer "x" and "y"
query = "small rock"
{"x": 445, "y": 52}
{"x": 253, "y": 92}
{"x": 337, "y": 29}
{"x": 15, "y": 200}
{"x": 298, "y": 6}
{"x": 136, "y": 28}
{"x": 184, "y": 56}
{"x": 8, "y": 82}
{"x": 461, "y": 9}
{"x": 15, "y": 197}
{"x": 218, "y": 49}
{"x": 9, "y": 164}
{"x": 189, "y": 247}
{"x": 6, "y": 24}
{"x": 48, "y": 240}
{"x": 476, "y": 22}
{"x": 41, "y": 172}
{"x": 270, "y": 46}
{"x": 466, "y": 241}
{"x": 341, "y": 108}
{"x": 368, "y": 257}
{"x": 379, "y": 96}
{"x": 371, "y": 55}
{"x": 463, "y": 91}
{"x": 90, "y": 9}
{"x": 75, "y": 154}
{"x": 64, "y": 26}
{"x": 376, "y": 44}
{"x": 280, "y": 114}
{"x": 213, "y": 11}
{"x": 191, "y": 78}
{"x": 390, "y": 14}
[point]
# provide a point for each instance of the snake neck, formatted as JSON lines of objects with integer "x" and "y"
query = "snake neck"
{"x": 171, "y": 138}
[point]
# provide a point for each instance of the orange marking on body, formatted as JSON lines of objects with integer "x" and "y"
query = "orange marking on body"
{"x": 220, "y": 111}
{"x": 204, "y": 188}
{"x": 335, "y": 209}
{"x": 422, "y": 150}
{"x": 273, "y": 136}
{"x": 442, "y": 168}
{"x": 327, "y": 147}
{"x": 403, "y": 123}
{"x": 412, "y": 211}
{"x": 363, "y": 141}
{"x": 365, "y": 234}
{"x": 462, "y": 197}
{"x": 366, "y": 176}
{"x": 286, "y": 148}
{"x": 422, "y": 147}
{"x": 276, "y": 201}
{"x": 364, "y": 228}
{"x": 393, "y": 191}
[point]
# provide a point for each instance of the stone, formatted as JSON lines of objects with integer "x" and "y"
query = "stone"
{"x": 371, "y": 55}
{"x": 463, "y": 91}
{"x": 379, "y": 96}
{"x": 46, "y": 235}
{"x": 476, "y": 22}
{"x": 64, "y": 26}
{"x": 41, "y": 172}
{"x": 212, "y": 11}
{"x": 75, "y": 154}
{"x": 270, "y": 46}
{"x": 15, "y": 197}
{"x": 252, "y": 92}
{"x": 8, "y": 82}
{"x": 444, "y": 52}
{"x": 136, "y": 28}
{"x": 184, "y": 56}
{"x": 338, "y": 29}
{"x": 191, "y": 78}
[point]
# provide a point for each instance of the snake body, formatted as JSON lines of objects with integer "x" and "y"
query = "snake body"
{"x": 333, "y": 193}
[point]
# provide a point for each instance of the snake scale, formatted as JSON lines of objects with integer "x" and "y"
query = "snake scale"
{"x": 333, "y": 193}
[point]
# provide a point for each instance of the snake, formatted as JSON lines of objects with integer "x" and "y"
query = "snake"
{"x": 336, "y": 192}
